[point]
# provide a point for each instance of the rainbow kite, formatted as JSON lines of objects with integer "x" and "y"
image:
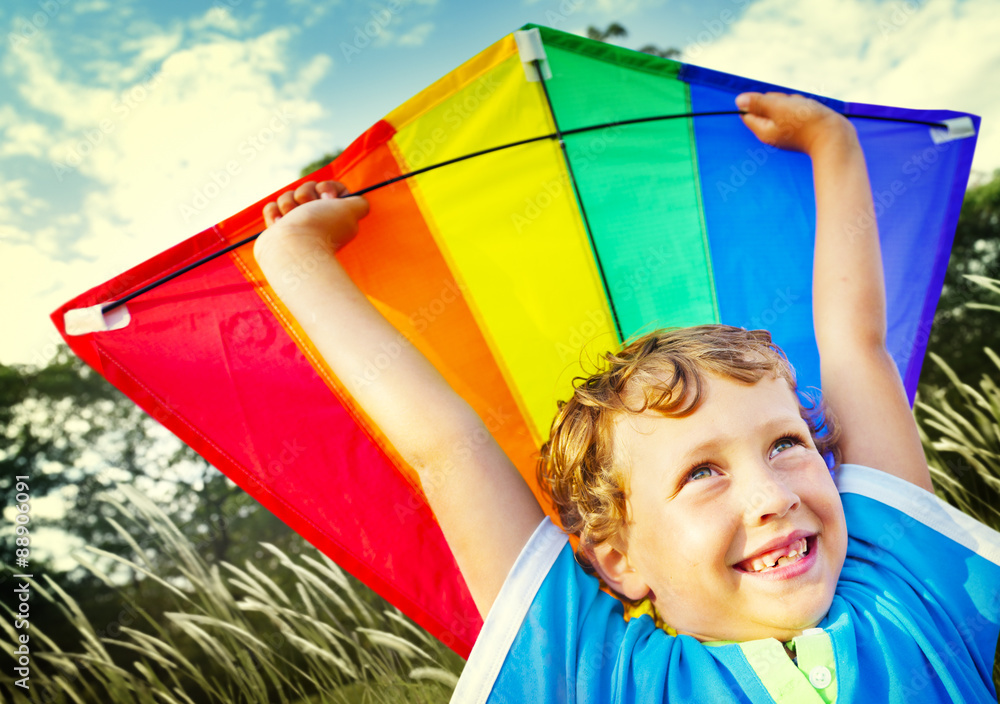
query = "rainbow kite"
{"x": 610, "y": 192}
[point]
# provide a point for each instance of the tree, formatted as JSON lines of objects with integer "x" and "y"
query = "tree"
{"x": 321, "y": 162}
{"x": 612, "y": 31}
{"x": 960, "y": 332}
{"x": 616, "y": 31}
{"x": 76, "y": 436}
{"x": 669, "y": 53}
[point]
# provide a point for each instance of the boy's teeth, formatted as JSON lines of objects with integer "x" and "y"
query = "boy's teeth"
{"x": 794, "y": 554}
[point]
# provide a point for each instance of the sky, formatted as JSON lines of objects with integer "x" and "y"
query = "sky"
{"x": 127, "y": 127}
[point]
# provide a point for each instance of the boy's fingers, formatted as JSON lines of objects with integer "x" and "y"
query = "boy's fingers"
{"x": 330, "y": 189}
{"x": 758, "y": 124}
{"x": 310, "y": 191}
{"x": 286, "y": 202}
{"x": 749, "y": 102}
{"x": 306, "y": 192}
{"x": 270, "y": 213}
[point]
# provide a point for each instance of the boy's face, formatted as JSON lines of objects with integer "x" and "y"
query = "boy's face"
{"x": 717, "y": 495}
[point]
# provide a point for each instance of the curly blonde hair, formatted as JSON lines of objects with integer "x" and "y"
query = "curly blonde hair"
{"x": 663, "y": 372}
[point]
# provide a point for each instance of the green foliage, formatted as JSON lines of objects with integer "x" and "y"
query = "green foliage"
{"x": 962, "y": 327}
{"x": 612, "y": 31}
{"x": 960, "y": 428}
{"x": 320, "y": 163}
{"x": 617, "y": 31}
{"x": 232, "y": 633}
{"x": 77, "y": 438}
{"x": 289, "y": 625}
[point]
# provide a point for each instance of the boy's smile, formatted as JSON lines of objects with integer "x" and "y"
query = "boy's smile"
{"x": 736, "y": 530}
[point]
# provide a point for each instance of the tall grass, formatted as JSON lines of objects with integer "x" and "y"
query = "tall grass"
{"x": 960, "y": 429}
{"x": 233, "y": 635}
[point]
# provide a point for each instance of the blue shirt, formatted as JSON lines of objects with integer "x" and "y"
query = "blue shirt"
{"x": 915, "y": 617}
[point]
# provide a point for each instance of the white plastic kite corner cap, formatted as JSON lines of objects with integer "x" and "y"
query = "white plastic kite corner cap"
{"x": 954, "y": 128}
{"x": 529, "y": 46}
{"x": 83, "y": 321}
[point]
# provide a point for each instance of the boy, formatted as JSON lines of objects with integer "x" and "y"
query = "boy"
{"x": 697, "y": 487}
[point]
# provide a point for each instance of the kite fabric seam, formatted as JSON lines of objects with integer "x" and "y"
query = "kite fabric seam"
{"x": 579, "y": 200}
{"x": 108, "y": 307}
{"x": 472, "y": 303}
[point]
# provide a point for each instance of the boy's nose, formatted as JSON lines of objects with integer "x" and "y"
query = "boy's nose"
{"x": 767, "y": 495}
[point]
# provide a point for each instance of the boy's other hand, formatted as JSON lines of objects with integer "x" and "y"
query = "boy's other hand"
{"x": 792, "y": 121}
{"x": 313, "y": 214}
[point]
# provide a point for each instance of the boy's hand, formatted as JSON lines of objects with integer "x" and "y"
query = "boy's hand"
{"x": 313, "y": 214}
{"x": 792, "y": 121}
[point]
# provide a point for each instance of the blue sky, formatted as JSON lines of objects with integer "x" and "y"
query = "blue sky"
{"x": 118, "y": 118}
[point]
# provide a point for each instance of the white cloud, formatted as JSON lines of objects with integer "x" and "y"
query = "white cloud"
{"x": 623, "y": 8}
{"x": 612, "y": 9}
{"x": 28, "y": 138}
{"x": 417, "y": 35}
{"x": 34, "y": 283}
{"x": 395, "y": 24}
{"x": 91, "y": 6}
{"x": 309, "y": 75}
{"x": 221, "y": 124}
{"x": 149, "y": 49}
{"x": 309, "y": 12}
{"x": 14, "y": 191}
{"x": 935, "y": 55}
{"x": 220, "y": 18}
{"x": 41, "y": 83}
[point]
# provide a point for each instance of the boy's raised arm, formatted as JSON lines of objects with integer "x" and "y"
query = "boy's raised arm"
{"x": 861, "y": 383}
{"x": 484, "y": 507}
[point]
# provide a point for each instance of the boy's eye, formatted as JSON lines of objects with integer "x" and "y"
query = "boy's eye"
{"x": 700, "y": 473}
{"x": 784, "y": 444}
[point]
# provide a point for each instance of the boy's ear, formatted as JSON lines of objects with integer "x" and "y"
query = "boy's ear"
{"x": 613, "y": 566}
